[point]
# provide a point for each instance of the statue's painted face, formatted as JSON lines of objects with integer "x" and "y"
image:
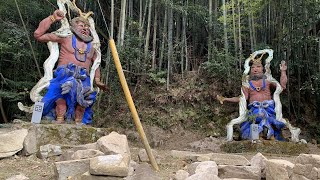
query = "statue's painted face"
{"x": 81, "y": 28}
{"x": 256, "y": 70}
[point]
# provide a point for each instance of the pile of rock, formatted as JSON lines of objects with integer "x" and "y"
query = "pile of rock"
{"x": 109, "y": 156}
{"x": 215, "y": 166}
{"x": 87, "y": 154}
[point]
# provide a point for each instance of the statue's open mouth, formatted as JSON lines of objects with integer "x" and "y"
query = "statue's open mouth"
{"x": 84, "y": 33}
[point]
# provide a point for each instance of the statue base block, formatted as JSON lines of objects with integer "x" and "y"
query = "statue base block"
{"x": 264, "y": 146}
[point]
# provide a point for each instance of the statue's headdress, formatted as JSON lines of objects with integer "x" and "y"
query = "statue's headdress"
{"x": 82, "y": 16}
{"x": 255, "y": 59}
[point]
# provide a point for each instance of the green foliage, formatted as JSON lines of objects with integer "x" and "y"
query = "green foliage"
{"x": 159, "y": 78}
{"x": 221, "y": 65}
{"x": 131, "y": 54}
{"x": 18, "y": 70}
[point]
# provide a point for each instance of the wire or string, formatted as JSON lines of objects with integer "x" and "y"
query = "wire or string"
{"x": 52, "y": 4}
{"x": 29, "y": 41}
{"x": 104, "y": 20}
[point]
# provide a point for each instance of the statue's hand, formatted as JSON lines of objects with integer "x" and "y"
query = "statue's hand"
{"x": 101, "y": 85}
{"x": 220, "y": 99}
{"x": 283, "y": 66}
{"x": 58, "y": 15}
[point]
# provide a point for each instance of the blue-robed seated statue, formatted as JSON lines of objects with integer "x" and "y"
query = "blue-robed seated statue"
{"x": 257, "y": 104}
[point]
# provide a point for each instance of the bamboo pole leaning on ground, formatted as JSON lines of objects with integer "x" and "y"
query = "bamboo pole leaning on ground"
{"x": 131, "y": 104}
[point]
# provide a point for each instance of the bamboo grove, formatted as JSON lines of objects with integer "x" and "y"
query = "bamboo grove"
{"x": 157, "y": 39}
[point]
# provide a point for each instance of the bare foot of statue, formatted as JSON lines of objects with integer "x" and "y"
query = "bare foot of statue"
{"x": 272, "y": 138}
{"x": 58, "y": 122}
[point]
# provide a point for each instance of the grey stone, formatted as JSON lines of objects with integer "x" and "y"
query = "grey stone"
{"x": 49, "y": 150}
{"x": 278, "y": 169}
{"x": 111, "y": 165}
{"x": 243, "y": 172}
{"x": 229, "y": 159}
{"x": 207, "y": 167}
{"x": 18, "y": 177}
{"x": 298, "y": 177}
{"x": 313, "y": 159}
{"x": 203, "y": 176}
{"x": 114, "y": 143}
{"x": 181, "y": 175}
{"x": 145, "y": 172}
{"x": 88, "y": 176}
{"x": 11, "y": 142}
{"x": 65, "y": 169}
{"x": 30, "y": 142}
{"x": 86, "y": 146}
{"x": 85, "y": 154}
{"x": 259, "y": 161}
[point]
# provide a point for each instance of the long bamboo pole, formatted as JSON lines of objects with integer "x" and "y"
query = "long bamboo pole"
{"x": 131, "y": 104}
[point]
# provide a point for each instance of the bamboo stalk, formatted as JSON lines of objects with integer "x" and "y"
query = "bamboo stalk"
{"x": 131, "y": 104}
{"x": 4, "y": 117}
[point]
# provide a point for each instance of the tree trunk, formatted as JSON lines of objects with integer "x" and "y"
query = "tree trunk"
{"x": 318, "y": 55}
{"x": 299, "y": 86}
{"x": 269, "y": 23}
{"x": 240, "y": 38}
{"x": 234, "y": 29}
{"x": 177, "y": 43}
{"x": 170, "y": 46}
{"x": 146, "y": 45}
{"x": 210, "y": 31}
{"x": 216, "y": 7}
{"x": 226, "y": 44}
{"x": 250, "y": 32}
{"x": 164, "y": 40}
{"x": 111, "y": 36}
{"x": 184, "y": 22}
{"x": 254, "y": 37}
{"x": 3, "y": 113}
{"x": 130, "y": 8}
{"x": 154, "y": 42}
{"x": 122, "y": 23}
{"x": 140, "y": 19}
{"x": 289, "y": 51}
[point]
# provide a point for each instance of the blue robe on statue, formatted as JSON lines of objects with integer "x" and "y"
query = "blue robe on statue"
{"x": 71, "y": 83}
{"x": 265, "y": 116}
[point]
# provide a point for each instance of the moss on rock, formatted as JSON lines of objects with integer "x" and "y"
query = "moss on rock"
{"x": 265, "y": 146}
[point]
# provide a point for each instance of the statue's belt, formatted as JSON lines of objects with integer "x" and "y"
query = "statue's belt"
{"x": 77, "y": 72}
{"x": 263, "y": 104}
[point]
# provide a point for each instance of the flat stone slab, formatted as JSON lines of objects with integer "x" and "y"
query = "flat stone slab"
{"x": 110, "y": 165}
{"x": 265, "y": 146}
{"x": 229, "y": 159}
{"x": 67, "y": 169}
